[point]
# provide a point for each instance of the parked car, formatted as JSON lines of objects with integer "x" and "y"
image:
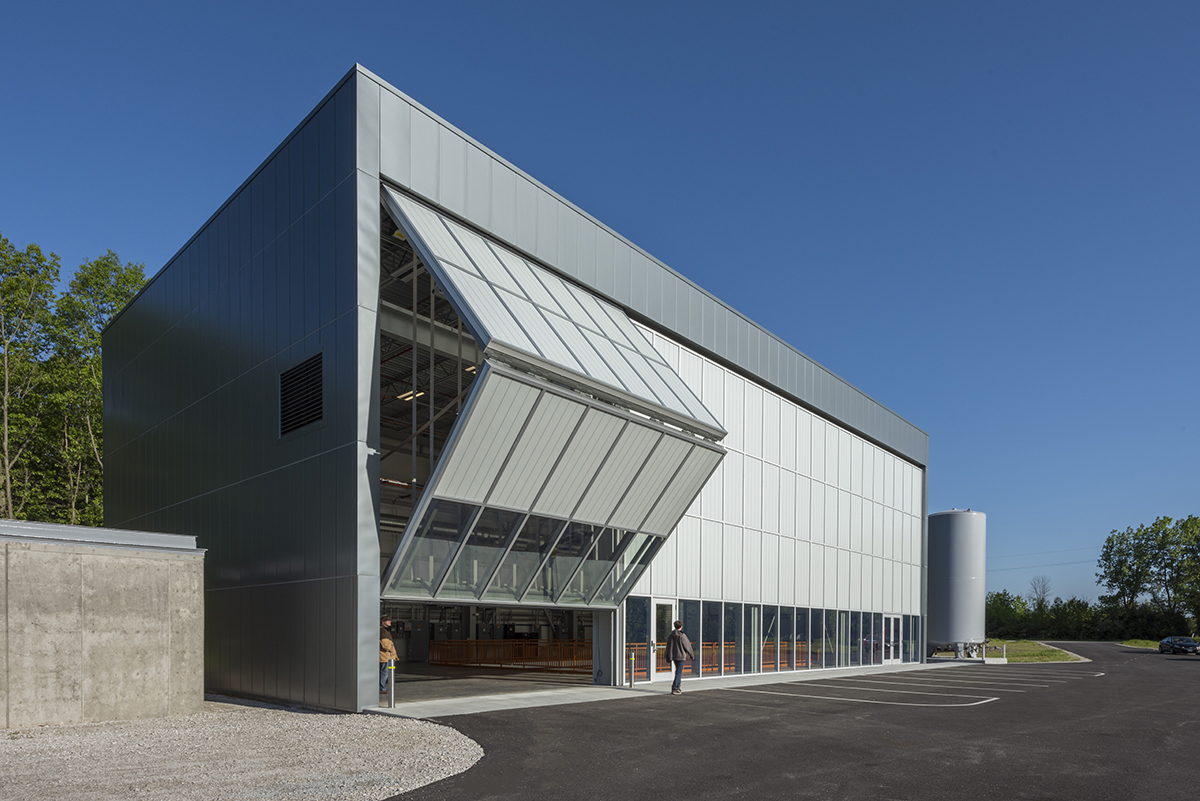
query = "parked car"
{"x": 1179, "y": 645}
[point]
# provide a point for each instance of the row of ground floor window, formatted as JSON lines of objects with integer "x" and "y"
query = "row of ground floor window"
{"x": 736, "y": 638}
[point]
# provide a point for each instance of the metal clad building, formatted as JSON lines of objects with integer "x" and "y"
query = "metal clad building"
{"x": 394, "y": 367}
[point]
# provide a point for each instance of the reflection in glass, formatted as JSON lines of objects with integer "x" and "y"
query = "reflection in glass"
{"x": 710, "y": 642}
{"x": 816, "y": 638}
{"x": 689, "y": 613}
{"x": 843, "y": 656}
{"x": 918, "y": 646}
{"x": 906, "y": 640}
{"x": 856, "y": 638}
{"x": 637, "y": 635}
{"x": 551, "y": 578}
{"x": 732, "y": 645}
{"x": 803, "y": 651}
{"x": 787, "y": 643}
{"x": 624, "y": 580}
{"x": 478, "y": 558}
{"x": 877, "y": 638}
{"x": 753, "y": 639}
{"x": 624, "y": 562}
{"x": 664, "y": 622}
{"x": 437, "y": 538}
{"x": 770, "y": 639}
{"x": 597, "y": 565}
{"x": 530, "y": 548}
{"x": 829, "y": 641}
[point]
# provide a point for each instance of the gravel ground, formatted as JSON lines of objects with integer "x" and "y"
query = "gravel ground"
{"x": 233, "y": 750}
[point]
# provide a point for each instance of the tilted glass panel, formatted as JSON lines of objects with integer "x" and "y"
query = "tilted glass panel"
{"x": 606, "y": 328}
{"x": 552, "y": 577}
{"x": 627, "y": 572}
{"x": 478, "y": 558}
{"x": 442, "y": 529}
{"x": 598, "y": 564}
{"x": 531, "y": 547}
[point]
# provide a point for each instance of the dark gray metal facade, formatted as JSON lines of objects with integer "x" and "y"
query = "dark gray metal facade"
{"x": 289, "y": 267}
{"x": 191, "y": 408}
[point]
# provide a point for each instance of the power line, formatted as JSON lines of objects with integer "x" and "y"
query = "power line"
{"x": 1031, "y": 567}
{"x": 1039, "y": 553}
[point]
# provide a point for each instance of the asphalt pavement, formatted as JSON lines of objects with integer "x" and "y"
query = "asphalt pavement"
{"x": 1119, "y": 726}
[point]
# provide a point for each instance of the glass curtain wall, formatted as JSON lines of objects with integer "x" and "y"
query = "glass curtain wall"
{"x": 689, "y": 613}
{"x": 732, "y": 650}
{"x": 637, "y": 637}
{"x": 855, "y": 638}
{"x": 770, "y": 649}
{"x": 752, "y": 651}
{"x": 829, "y": 643}
{"x": 843, "y": 639}
{"x": 787, "y": 638}
{"x": 711, "y": 639}
{"x": 877, "y": 638}
{"x": 816, "y": 638}
{"x": 803, "y": 657}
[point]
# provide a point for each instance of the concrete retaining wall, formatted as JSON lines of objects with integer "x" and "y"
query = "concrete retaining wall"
{"x": 97, "y": 631}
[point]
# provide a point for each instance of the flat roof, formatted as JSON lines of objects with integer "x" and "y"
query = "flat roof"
{"x": 64, "y": 534}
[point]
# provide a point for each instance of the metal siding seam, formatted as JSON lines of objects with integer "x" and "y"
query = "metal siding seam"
{"x": 547, "y": 439}
{"x": 600, "y": 431}
{"x": 526, "y": 215}
{"x": 668, "y": 456}
{"x": 452, "y": 170}
{"x": 598, "y": 502}
{"x": 425, "y": 157}
{"x": 395, "y": 140}
{"x": 503, "y": 202}
{"x": 478, "y": 186}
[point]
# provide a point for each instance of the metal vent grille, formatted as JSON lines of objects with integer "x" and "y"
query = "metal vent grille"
{"x": 301, "y": 400}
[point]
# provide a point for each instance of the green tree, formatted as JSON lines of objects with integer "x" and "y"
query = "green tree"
{"x": 1125, "y": 569}
{"x": 27, "y": 280}
{"x": 73, "y": 472}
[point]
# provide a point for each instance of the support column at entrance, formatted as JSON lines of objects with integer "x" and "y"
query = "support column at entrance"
{"x": 605, "y": 653}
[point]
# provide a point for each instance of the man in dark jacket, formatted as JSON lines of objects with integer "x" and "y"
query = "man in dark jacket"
{"x": 679, "y": 648}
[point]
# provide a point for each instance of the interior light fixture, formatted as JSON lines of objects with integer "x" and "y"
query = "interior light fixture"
{"x": 469, "y": 369}
{"x": 409, "y": 396}
{"x": 399, "y": 235}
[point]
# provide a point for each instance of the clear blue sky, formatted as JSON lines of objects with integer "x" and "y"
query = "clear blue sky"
{"x": 983, "y": 215}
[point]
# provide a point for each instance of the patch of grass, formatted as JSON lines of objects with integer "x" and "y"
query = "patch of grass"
{"x": 1141, "y": 643}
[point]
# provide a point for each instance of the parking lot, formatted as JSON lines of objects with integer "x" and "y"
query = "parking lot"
{"x": 1108, "y": 728}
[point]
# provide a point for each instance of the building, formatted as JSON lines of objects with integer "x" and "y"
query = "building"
{"x": 395, "y": 372}
{"x": 98, "y": 624}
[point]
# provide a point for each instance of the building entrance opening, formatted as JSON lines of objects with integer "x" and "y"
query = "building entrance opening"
{"x": 490, "y": 649}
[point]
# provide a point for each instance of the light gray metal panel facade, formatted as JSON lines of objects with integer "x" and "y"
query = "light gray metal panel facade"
{"x": 574, "y": 471}
{"x": 649, "y": 484}
{"x": 530, "y": 217}
{"x": 449, "y": 550}
{"x": 490, "y": 428}
{"x": 700, "y": 464}
{"x": 450, "y": 245}
{"x": 537, "y": 452}
{"x": 192, "y": 443}
{"x": 614, "y": 477}
{"x": 957, "y": 577}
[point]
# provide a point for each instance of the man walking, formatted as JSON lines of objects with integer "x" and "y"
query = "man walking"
{"x": 387, "y": 650}
{"x": 679, "y": 648}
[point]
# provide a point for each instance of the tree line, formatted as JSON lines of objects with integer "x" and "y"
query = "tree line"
{"x": 51, "y": 389}
{"x": 1151, "y": 575}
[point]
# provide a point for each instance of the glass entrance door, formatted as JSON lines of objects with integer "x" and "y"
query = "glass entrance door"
{"x": 664, "y": 621}
{"x": 891, "y": 639}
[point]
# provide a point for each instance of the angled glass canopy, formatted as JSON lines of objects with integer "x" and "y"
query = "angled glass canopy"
{"x": 544, "y": 496}
{"x": 530, "y": 317}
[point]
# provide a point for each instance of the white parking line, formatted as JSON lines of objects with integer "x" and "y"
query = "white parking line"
{"x": 857, "y": 700}
{"x": 924, "y": 684}
{"x": 973, "y": 681}
{"x": 878, "y": 690}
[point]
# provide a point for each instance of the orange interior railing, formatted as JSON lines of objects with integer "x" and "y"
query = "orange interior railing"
{"x": 561, "y": 656}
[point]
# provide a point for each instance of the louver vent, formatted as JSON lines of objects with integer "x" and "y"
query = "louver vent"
{"x": 300, "y": 396}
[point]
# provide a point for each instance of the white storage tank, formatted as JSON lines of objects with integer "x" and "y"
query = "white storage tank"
{"x": 957, "y": 579}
